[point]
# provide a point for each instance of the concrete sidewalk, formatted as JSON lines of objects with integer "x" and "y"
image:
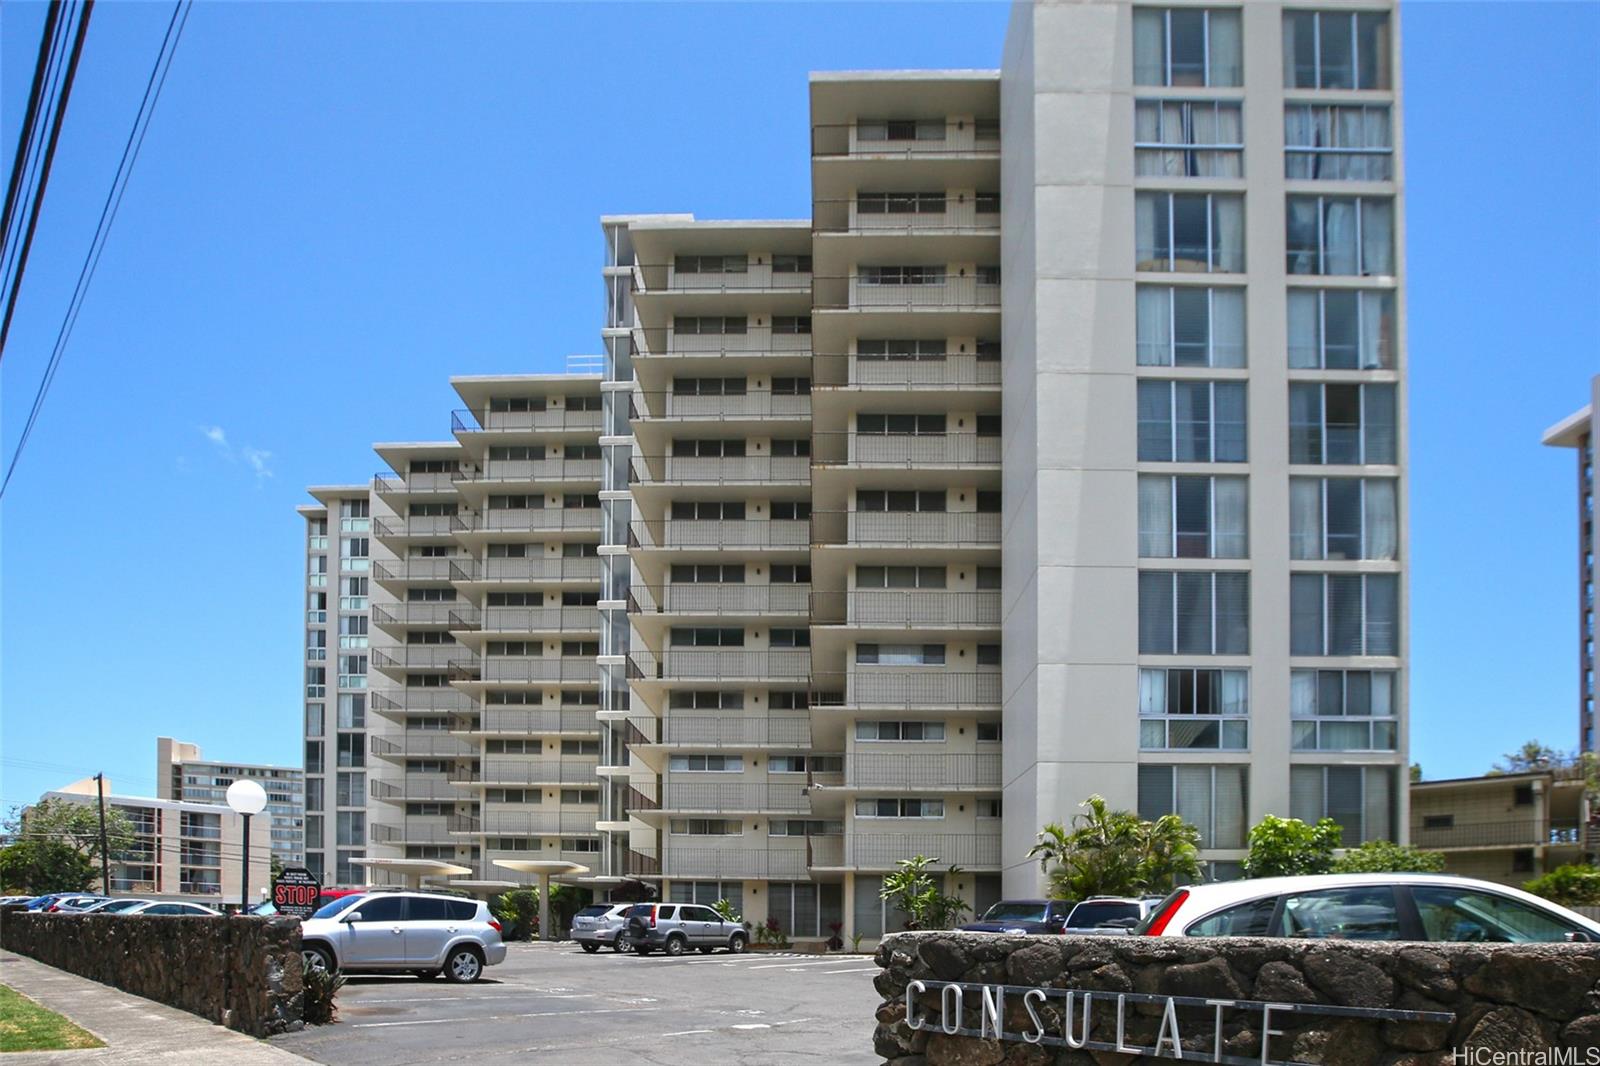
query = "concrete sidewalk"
{"x": 137, "y": 1031}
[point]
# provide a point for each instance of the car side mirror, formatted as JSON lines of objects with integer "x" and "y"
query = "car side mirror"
{"x": 1578, "y": 936}
{"x": 353, "y": 916}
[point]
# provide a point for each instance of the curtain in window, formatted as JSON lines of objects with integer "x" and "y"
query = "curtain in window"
{"x": 1302, "y": 240}
{"x": 1305, "y": 614}
{"x": 1230, "y": 507}
{"x": 1229, "y": 810}
{"x": 1303, "y": 693}
{"x": 1155, "y": 421}
{"x": 1215, "y": 124}
{"x": 1378, "y": 423}
{"x": 1149, "y": 35}
{"x": 1305, "y": 423}
{"x": 1305, "y": 794}
{"x": 1377, "y": 237}
{"x": 1194, "y": 604}
{"x": 1155, "y": 793}
{"x": 1305, "y": 518}
{"x": 1232, "y": 613}
{"x": 1152, "y": 692}
{"x": 1344, "y": 802}
{"x": 1376, "y": 328}
{"x": 1229, "y": 417}
{"x": 1228, "y": 234}
{"x": 1382, "y": 695}
{"x": 1299, "y": 131}
{"x": 1155, "y": 613}
{"x": 1227, "y": 327}
{"x": 1299, "y": 57}
{"x": 867, "y": 905}
{"x": 1379, "y": 804}
{"x": 1344, "y": 593}
{"x": 1383, "y": 533}
{"x": 1194, "y": 801}
{"x": 1383, "y": 614}
{"x": 1235, "y": 692}
{"x": 1305, "y": 329}
{"x": 1150, "y": 231}
{"x": 1339, "y": 251}
{"x": 1154, "y": 325}
{"x": 1227, "y": 63}
{"x": 1191, "y": 417}
{"x": 1155, "y": 517}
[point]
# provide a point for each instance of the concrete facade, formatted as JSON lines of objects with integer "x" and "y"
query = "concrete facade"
{"x": 1578, "y": 432}
{"x": 181, "y": 774}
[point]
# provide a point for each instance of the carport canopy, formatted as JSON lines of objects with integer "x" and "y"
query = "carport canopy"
{"x": 413, "y": 870}
{"x": 544, "y": 869}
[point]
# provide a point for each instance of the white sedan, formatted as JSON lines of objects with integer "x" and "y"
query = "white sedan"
{"x": 159, "y": 908}
{"x": 1436, "y": 907}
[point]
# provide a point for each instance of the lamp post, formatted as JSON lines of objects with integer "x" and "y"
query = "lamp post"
{"x": 246, "y": 798}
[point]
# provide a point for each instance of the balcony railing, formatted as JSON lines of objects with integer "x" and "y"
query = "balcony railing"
{"x": 906, "y": 215}
{"x": 956, "y": 370}
{"x": 713, "y": 797}
{"x": 499, "y": 471}
{"x": 200, "y": 888}
{"x": 716, "y": 470}
{"x": 959, "y": 137}
{"x": 906, "y": 688}
{"x": 911, "y": 770}
{"x": 532, "y": 620}
{"x": 428, "y": 658}
{"x": 518, "y": 720}
{"x": 935, "y": 608}
{"x": 720, "y": 407}
{"x": 514, "y": 771}
{"x": 709, "y": 664}
{"x": 719, "y": 533}
{"x": 1511, "y": 834}
{"x": 419, "y": 787}
{"x": 409, "y": 571}
{"x": 521, "y": 669}
{"x": 536, "y": 568}
{"x": 387, "y": 484}
{"x": 416, "y": 742}
{"x": 714, "y": 863}
{"x": 411, "y": 831}
{"x": 408, "y": 615}
{"x": 432, "y": 701}
{"x": 906, "y": 529}
{"x": 758, "y": 277}
{"x": 880, "y": 851}
{"x": 641, "y": 865}
{"x": 719, "y": 599}
{"x": 952, "y": 292}
{"x": 905, "y": 450}
{"x": 707, "y": 731}
{"x": 524, "y": 823}
{"x": 464, "y": 421}
{"x": 527, "y": 520}
{"x": 756, "y": 341}
{"x": 638, "y": 801}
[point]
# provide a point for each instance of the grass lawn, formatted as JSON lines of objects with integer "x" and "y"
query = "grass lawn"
{"x": 26, "y": 1026}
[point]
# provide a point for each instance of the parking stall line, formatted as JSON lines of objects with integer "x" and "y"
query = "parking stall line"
{"x": 864, "y": 969}
{"x": 794, "y": 965}
{"x": 503, "y": 1017}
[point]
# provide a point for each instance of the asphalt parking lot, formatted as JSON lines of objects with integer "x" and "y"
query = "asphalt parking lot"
{"x": 555, "y": 1001}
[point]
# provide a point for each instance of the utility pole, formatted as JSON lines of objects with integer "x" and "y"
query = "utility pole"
{"x": 105, "y": 860}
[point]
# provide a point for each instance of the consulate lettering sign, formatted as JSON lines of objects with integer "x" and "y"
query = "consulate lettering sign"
{"x": 296, "y": 891}
{"x": 1081, "y": 1012}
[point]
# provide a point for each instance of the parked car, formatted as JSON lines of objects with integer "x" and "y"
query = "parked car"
{"x": 600, "y": 924}
{"x": 46, "y": 901}
{"x": 1109, "y": 914}
{"x": 76, "y": 904}
{"x": 399, "y": 932}
{"x": 156, "y": 908}
{"x": 677, "y": 927}
{"x": 1023, "y": 916}
{"x": 1436, "y": 907}
{"x": 114, "y": 906}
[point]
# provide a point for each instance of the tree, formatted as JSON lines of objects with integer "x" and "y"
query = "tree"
{"x": 1533, "y": 756}
{"x": 1383, "y": 857}
{"x": 275, "y": 866}
{"x": 1416, "y": 772}
{"x": 518, "y": 911}
{"x": 914, "y": 891}
{"x": 57, "y": 845}
{"x": 1286, "y": 847}
{"x": 1571, "y": 886}
{"x": 1116, "y": 853}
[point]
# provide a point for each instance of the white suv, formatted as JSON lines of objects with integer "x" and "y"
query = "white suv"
{"x": 416, "y": 932}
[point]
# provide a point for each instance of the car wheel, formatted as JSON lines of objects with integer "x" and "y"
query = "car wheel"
{"x": 675, "y": 944}
{"x": 623, "y": 943}
{"x": 425, "y": 975}
{"x": 590, "y": 948}
{"x": 737, "y": 943}
{"x": 463, "y": 966}
{"x": 318, "y": 958}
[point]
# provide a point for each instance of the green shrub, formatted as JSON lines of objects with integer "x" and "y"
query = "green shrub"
{"x": 1288, "y": 847}
{"x": 1571, "y": 886}
{"x": 320, "y": 986}
{"x": 1386, "y": 857}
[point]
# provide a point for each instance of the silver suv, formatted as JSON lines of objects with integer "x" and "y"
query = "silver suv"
{"x": 677, "y": 927}
{"x": 600, "y": 924}
{"x": 415, "y": 932}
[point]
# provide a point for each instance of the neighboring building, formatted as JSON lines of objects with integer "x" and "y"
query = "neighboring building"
{"x": 903, "y": 553}
{"x": 181, "y": 850}
{"x": 1577, "y": 431}
{"x": 181, "y": 774}
{"x": 1508, "y": 828}
{"x": 338, "y": 580}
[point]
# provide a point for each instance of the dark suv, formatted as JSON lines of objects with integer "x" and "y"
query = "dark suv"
{"x": 677, "y": 927}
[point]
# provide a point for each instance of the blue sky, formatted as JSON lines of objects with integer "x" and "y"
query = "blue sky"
{"x": 340, "y": 205}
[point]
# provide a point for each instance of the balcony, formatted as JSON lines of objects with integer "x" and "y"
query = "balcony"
{"x": 526, "y": 669}
{"x": 537, "y": 568}
{"x": 518, "y": 721}
{"x": 464, "y": 422}
{"x": 1506, "y": 834}
{"x": 706, "y": 731}
{"x": 907, "y": 608}
{"x": 907, "y": 451}
{"x": 856, "y": 292}
{"x": 907, "y": 215}
{"x": 504, "y": 471}
{"x": 402, "y": 616}
{"x": 405, "y": 527}
{"x": 397, "y": 486}
{"x": 904, "y": 769}
{"x": 721, "y": 664}
{"x": 411, "y": 831}
{"x": 524, "y": 823}
{"x": 880, "y": 851}
{"x": 907, "y": 529}
{"x": 716, "y": 798}
{"x": 756, "y": 342}
{"x": 412, "y": 571}
{"x": 534, "y": 620}
{"x": 530, "y": 771}
{"x": 736, "y": 407}
{"x": 719, "y": 470}
{"x": 689, "y": 533}
{"x": 528, "y": 520}
{"x": 951, "y": 371}
{"x": 417, "y": 742}
{"x": 651, "y": 278}
{"x": 641, "y": 865}
{"x": 933, "y": 139}
{"x": 907, "y": 688}
{"x": 719, "y": 599}
{"x": 426, "y": 701}
{"x": 638, "y": 801}
{"x": 733, "y": 862}
{"x": 419, "y": 787}
{"x": 418, "y": 658}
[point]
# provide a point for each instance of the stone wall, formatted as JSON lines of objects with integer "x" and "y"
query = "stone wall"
{"x": 1497, "y": 997}
{"x": 244, "y": 973}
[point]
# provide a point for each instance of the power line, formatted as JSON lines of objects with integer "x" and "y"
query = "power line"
{"x": 31, "y": 146}
{"x": 108, "y": 216}
{"x": 31, "y": 116}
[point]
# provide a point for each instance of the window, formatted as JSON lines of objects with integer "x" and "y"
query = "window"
{"x": 708, "y": 386}
{"x": 901, "y": 275}
{"x": 1189, "y": 326}
{"x": 901, "y": 350}
{"x": 989, "y": 577}
{"x": 1186, "y": 46}
{"x": 708, "y": 510}
{"x": 708, "y": 573}
{"x": 791, "y": 386}
{"x": 708, "y": 449}
{"x": 791, "y": 574}
{"x": 1186, "y": 708}
{"x": 1342, "y": 710}
{"x": 1438, "y": 821}
{"x": 352, "y": 829}
{"x": 1188, "y": 139}
{"x": 706, "y": 637}
{"x": 791, "y": 325}
{"x": 513, "y": 795}
{"x": 1337, "y": 143}
{"x": 798, "y": 827}
{"x": 1336, "y": 50}
{"x": 1194, "y": 612}
{"x": 430, "y": 510}
{"x": 711, "y": 700}
{"x": 580, "y": 747}
{"x": 1193, "y": 517}
{"x": 986, "y": 203}
{"x": 518, "y": 404}
{"x": 1343, "y": 518}
{"x": 352, "y": 749}
{"x": 581, "y": 648}
{"x": 900, "y": 654}
{"x": 350, "y": 790}
{"x": 900, "y": 577}
{"x": 899, "y": 808}
{"x": 1189, "y": 232}
{"x": 1213, "y": 798}
{"x": 884, "y": 500}
{"x": 426, "y": 595}
{"x": 989, "y": 732}
{"x": 711, "y": 264}
{"x": 583, "y": 403}
{"x": 1342, "y": 424}
{"x": 789, "y": 638}
{"x": 316, "y": 681}
{"x": 900, "y": 425}
{"x": 988, "y": 655}
{"x": 314, "y": 719}
{"x": 1348, "y": 235}
{"x": 580, "y": 550}
{"x": 1344, "y": 614}
{"x": 791, "y": 449}
{"x": 791, "y": 510}
{"x": 1192, "y": 421}
{"x": 352, "y": 710}
{"x": 1367, "y": 912}
{"x": 921, "y": 129}
{"x": 914, "y": 731}
{"x": 791, "y": 264}
{"x": 710, "y": 325}
{"x": 717, "y": 764}
{"x": 580, "y": 795}
{"x": 705, "y": 827}
{"x": 1359, "y": 798}
{"x": 1246, "y": 919}
{"x": 1454, "y": 914}
{"x": 1341, "y": 329}
{"x": 314, "y": 757}
{"x": 900, "y": 203}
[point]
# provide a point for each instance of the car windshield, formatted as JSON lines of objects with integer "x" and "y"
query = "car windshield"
{"x": 118, "y": 905}
{"x": 640, "y": 910}
{"x": 329, "y": 910}
{"x": 1087, "y": 915}
{"x": 1015, "y": 912}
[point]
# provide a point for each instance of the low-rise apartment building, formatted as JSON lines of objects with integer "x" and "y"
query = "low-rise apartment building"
{"x": 1508, "y": 828}
{"x": 181, "y": 774}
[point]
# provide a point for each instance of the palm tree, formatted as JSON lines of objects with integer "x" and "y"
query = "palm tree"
{"x": 1116, "y": 853}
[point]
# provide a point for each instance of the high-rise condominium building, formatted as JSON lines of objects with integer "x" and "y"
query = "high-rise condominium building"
{"x": 181, "y": 774}
{"x": 1060, "y": 452}
{"x": 338, "y": 572}
{"x": 1578, "y": 431}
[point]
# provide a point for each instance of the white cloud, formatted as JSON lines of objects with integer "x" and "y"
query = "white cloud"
{"x": 216, "y": 436}
{"x": 259, "y": 460}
